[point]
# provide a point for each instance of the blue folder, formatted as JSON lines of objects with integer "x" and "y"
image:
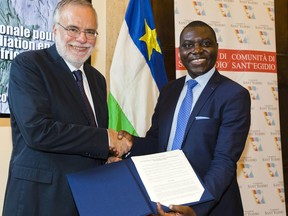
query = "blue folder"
{"x": 114, "y": 189}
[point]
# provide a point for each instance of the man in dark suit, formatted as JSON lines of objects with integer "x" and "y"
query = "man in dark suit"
{"x": 51, "y": 131}
{"x": 218, "y": 124}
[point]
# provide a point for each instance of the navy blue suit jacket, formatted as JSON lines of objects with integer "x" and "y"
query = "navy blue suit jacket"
{"x": 212, "y": 144}
{"x": 51, "y": 133}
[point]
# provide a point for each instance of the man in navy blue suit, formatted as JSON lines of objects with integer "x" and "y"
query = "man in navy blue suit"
{"x": 51, "y": 131}
{"x": 217, "y": 128}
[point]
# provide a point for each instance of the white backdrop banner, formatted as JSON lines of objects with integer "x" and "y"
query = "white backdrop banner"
{"x": 247, "y": 54}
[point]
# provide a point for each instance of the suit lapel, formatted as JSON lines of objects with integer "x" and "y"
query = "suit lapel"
{"x": 206, "y": 93}
{"x": 168, "y": 111}
{"x": 95, "y": 95}
{"x": 67, "y": 78}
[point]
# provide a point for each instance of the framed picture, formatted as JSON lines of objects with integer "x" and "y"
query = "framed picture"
{"x": 19, "y": 33}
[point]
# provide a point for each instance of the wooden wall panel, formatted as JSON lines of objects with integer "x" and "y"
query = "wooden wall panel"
{"x": 281, "y": 18}
{"x": 164, "y": 22}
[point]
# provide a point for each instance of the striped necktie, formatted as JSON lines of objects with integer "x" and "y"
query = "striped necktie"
{"x": 79, "y": 81}
{"x": 183, "y": 115}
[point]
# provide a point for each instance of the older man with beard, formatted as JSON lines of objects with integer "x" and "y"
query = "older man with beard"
{"x": 52, "y": 132}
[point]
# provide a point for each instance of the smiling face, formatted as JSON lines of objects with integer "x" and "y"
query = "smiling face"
{"x": 75, "y": 50}
{"x": 198, "y": 50}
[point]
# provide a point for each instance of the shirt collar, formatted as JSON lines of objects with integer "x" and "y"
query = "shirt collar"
{"x": 73, "y": 68}
{"x": 203, "y": 79}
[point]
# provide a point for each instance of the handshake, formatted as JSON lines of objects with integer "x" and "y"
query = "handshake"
{"x": 120, "y": 143}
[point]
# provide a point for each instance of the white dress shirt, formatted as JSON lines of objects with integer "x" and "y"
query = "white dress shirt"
{"x": 86, "y": 86}
{"x": 197, "y": 90}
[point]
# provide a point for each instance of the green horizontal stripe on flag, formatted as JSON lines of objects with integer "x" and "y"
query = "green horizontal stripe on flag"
{"x": 117, "y": 118}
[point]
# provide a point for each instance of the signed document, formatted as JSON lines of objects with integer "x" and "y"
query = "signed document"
{"x": 134, "y": 185}
{"x": 169, "y": 178}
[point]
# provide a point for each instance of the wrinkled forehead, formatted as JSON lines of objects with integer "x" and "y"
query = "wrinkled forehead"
{"x": 80, "y": 16}
{"x": 75, "y": 8}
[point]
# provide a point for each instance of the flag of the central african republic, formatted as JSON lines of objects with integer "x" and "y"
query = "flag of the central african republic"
{"x": 137, "y": 71}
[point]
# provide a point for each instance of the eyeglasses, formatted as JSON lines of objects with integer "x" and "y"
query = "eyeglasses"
{"x": 75, "y": 32}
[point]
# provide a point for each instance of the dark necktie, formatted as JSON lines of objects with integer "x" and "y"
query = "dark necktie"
{"x": 183, "y": 115}
{"x": 79, "y": 81}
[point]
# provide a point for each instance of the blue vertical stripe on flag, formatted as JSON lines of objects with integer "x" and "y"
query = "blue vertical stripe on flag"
{"x": 137, "y": 13}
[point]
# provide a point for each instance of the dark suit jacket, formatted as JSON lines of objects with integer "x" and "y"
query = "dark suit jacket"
{"x": 213, "y": 145}
{"x": 51, "y": 133}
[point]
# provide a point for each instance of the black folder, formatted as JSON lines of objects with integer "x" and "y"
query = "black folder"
{"x": 114, "y": 189}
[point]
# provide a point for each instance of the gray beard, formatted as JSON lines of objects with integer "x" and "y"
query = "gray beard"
{"x": 68, "y": 57}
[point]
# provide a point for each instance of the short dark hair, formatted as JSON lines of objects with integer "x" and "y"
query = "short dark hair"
{"x": 199, "y": 23}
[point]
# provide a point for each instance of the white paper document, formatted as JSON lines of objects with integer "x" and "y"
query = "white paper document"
{"x": 169, "y": 178}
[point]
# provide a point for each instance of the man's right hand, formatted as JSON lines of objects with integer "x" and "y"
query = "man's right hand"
{"x": 119, "y": 145}
{"x": 177, "y": 210}
{"x": 125, "y": 134}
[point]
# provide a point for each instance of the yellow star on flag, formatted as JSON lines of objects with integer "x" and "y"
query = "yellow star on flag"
{"x": 150, "y": 38}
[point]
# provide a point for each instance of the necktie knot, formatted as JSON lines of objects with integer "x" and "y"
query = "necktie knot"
{"x": 183, "y": 115}
{"x": 191, "y": 84}
{"x": 78, "y": 75}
